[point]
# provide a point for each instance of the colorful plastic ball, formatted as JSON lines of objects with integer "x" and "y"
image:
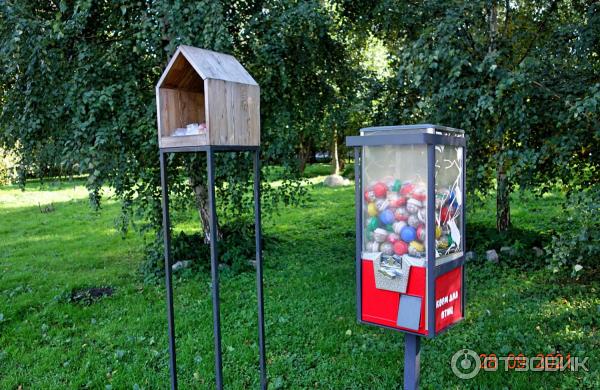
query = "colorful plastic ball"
{"x": 372, "y": 224}
{"x": 450, "y": 240}
{"x": 380, "y": 235}
{"x": 438, "y": 232}
{"x": 370, "y": 236}
{"x": 386, "y": 217}
{"x": 398, "y": 226}
{"x": 422, "y": 215}
{"x": 444, "y": 214}
{"x": 382, "y": 204}
{"x": 396, "y": 200}
{"x": 372, "y": 246}
{"x": 413, "y": 221}
{"x": 420, "y": 195}
{"x": 407, "y": 188}
{"x": 387, "y": 248}
{"x": 400, "y": 248}
{"x": 402, "y": 201}
{"x": 396, "y": 185}
{"x": 389, "y": 228}
{"x": 380, "y": 190}
{"x": 417, "y": 246}
{"x": 372, "y": 209}
{"x": 408, "y": 234}
{"x": 392, "y": 197}
{"x": 370, "y": 196}
{"x": 413, "y": 205}
{"x": 401, "y": 214}
{"x": 421, "y": 232}
{"x": 393, "y": 237}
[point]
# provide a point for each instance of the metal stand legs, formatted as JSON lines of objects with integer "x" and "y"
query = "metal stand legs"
{"x": 214, "y": 269}
{"x": 214, "y": 264}
{"x": 412, "y": 357}
{"x": 259, "y": 274}
{"x": 168, "y": 269}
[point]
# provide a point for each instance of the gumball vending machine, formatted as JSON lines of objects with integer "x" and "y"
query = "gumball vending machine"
{"x": 410, "y": 231}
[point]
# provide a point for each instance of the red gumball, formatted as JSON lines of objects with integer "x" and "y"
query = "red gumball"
{"x": 421, "y": 196}
{"x": 407, "y": 189}
{"x": 400, "y": 248}
{"x": 380, "y": 190}
{"x": 445, "y": 214}
{"x": 401, "y": 201}
{"x": 396, "y": 203}
{"x": 370, "y": 196}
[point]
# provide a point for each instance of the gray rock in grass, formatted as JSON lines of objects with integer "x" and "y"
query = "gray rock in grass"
{"x": 335, "y": 181}
{"x": 492, "y": 256}
{"x": 507, "y": 251}
{"x": 181, "y": 265}
{"x": 470, "y": 256}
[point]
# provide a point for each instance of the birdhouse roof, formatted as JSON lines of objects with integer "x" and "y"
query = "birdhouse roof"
{"x": 210, "y": 65}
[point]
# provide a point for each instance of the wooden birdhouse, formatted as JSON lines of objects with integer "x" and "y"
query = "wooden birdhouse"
{"x": 207, "y": 98}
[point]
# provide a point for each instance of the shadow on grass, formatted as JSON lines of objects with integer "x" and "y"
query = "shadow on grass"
{"x": 482, "y": 237}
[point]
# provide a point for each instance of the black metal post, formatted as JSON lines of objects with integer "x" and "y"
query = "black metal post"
{"x": 259, "y": 273}
{"x": 359, "y": 231}
{"x": 412, "y": 361}
{"x": 168, "y": 268}
{"x": 214, "y": 268}
{"x": 430, "y": 253}
{"x": 464, "y": 227}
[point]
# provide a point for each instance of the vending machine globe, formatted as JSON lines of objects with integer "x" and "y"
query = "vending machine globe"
{"x": 410, "y": 230}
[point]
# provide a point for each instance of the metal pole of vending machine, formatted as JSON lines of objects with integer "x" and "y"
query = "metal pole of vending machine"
{"x": 412, "y": 361}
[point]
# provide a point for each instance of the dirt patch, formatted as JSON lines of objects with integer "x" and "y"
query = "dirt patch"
{"x": 87, "y": 296}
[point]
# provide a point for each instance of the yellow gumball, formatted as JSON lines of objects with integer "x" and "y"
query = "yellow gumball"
{"x": 417, "y": 246}
{"x": 372, "y": 209}
{"x": 438, "y": 232}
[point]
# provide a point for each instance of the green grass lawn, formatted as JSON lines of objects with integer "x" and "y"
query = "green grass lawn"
{"x": 313, "y": 341}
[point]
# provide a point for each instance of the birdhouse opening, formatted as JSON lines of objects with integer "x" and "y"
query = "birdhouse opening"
{"x": 182, "y": 104}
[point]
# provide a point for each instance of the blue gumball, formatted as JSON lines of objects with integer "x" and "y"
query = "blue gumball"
{"x": 387, "y": 217}
{"x": 408, "y": 234}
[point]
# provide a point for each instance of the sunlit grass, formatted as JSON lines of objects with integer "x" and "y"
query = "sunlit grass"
{"x": 313, "y": 340}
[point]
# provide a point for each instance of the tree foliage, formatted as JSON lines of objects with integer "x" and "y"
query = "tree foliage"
{"x": 521, "y": 78}
{"x": 77, "y": 88}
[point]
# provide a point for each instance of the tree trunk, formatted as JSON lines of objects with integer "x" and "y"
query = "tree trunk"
{"x": 502, "y": 198}
{"x": 502, "y": 182}
{"x": 493, "y": 26}
{"x": 201, "y": 198}
{"x": 303, "y": 156}
{"x": 335, "y": 160}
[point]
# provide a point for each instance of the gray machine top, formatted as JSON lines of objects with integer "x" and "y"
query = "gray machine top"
{"x": 424, "y": 128}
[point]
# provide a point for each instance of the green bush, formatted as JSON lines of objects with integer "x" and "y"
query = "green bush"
{"x": 575, "y": 245}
